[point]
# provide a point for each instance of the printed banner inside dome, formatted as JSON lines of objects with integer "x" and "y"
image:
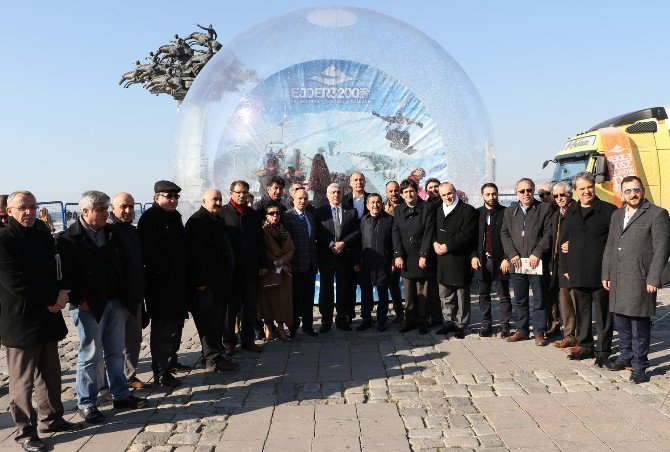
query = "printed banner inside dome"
{"x": 620, "y": 159}
{"x": 332, "y": 117}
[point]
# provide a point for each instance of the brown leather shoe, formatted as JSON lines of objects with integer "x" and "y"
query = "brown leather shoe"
{"x": 252, "y": 347}
{"x": 564, "y": 343}
{"x": 574, "y": 349}
{"x": 516, "y": 337}
{"x": 136, "y": 383}
{"x": 540, "y": 340}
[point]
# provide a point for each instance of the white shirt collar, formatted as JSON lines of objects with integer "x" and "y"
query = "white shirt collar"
{"x": 448, "y": 209}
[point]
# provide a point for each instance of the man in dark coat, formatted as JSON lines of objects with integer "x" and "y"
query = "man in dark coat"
{"x": 636, "y": 252}
{"x": 300, "y": 224}
{"x": 356, "y": 199}
{"x": 563, "y": 195}
{"x": 3, "y": 211}
{"x": 210, "y": 271}
{"x": 376, "y": 262}
{"x": 245, "y": 227}
{"x": 31, "y": 324}
{"x": 490, "y": 263}
{"x": 433, "y": 191}
{"x": 338, "y": 240}
{"x": 95, "y": 268}
{"x": 274, "y": 193}
{"x": 551, "y": 296}
{"x": 393, "y": 200}
{"x": 413, "y": 232}
{"x": 165, "y": 252}
{"x": 585, "y": 229}
{"x": 526, "y": 234}
{"x": 122, "y": 215}
{"x": 455, "y": 231}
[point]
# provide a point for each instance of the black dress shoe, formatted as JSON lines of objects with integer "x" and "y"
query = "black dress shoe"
{"x": 130, "y": 403}
{"x": 486, "y": 331}
{"x": 310, "y": 332}
{"x": 343, "y": 327}
{"x": 423, "y": 329}
{"x": 167, "y": 381}
{"x": 460, "y": 334}
{"x": 505, "y": 334}
{"x": 399, "y": 318}
{"x": 601, "y": 360}
{"x": 63, "y": 426}
{"x": 436, "y": 323}
{"x": 618, "y": 365}
{"x": 638, "y": 376}
{"x": 34, "y": 445}
{"x": 91, "y": 415}
{"x": 364, "y": 325}
{"x": 448, "y": 328}
{"x": 382, "y": 328}
{"x": 324, "y": 328}
{"x": 178, "y": 367}
{"x": 291, "y": 333}
{"x": 582, "y": 353}
{"x": 407, "y": 328}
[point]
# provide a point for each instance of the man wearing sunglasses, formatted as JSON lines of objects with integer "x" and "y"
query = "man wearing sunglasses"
{"x": 164, "y": 249}
{"x": 526, "y": 233}
{"x": 637, "y": 250}
{"x": 585, "y": 229}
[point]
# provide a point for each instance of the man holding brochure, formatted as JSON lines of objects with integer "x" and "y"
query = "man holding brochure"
{"x": 526, "y": 239}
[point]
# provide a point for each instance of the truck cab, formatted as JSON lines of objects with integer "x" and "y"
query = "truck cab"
{"x": 648, "y": 131}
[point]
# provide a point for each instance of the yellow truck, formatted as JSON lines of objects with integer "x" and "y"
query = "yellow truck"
{"x": 647, "y": 154}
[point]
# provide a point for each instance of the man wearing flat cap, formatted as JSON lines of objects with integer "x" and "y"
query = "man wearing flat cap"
{"x": 165, "y": 254}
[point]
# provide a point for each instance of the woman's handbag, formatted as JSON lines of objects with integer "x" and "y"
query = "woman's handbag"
{"x": 270, "y": 280}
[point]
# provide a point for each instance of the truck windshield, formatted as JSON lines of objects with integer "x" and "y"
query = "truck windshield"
{"x": 566, "y": 170}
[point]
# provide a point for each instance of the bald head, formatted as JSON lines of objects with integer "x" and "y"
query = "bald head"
{"x": 123, "y": 207}
{"x": 212, "y": 200}
{"x": 357, "y": 183}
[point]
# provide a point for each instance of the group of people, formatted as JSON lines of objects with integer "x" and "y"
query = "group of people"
{"x": 248, "y": 273}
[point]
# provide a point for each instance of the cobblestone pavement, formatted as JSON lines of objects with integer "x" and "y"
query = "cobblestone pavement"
{"x": 374, "y": 391}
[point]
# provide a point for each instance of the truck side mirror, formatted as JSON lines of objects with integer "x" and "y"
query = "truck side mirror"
{"x": 600, "y": 169}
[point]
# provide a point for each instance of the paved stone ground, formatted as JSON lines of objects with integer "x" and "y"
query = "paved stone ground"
{"x": 369, "y": 391}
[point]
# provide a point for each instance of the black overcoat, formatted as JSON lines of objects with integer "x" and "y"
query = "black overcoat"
{"x": 497, "y": 251}
{"x": 28, "y": 286}
{"x": 246, "y": 234}
{"x": 376, "y": 249}
{"x": 588, "y": 237}
{"x": 134, "y": 270}
{"x": 413, "y": 232}
{"x": 210, "y": 253}
{"x": 458, "y": 231}
{"x": 165, "y": 252}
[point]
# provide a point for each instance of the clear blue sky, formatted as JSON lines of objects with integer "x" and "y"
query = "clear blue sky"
{"x": 545, "y": 71}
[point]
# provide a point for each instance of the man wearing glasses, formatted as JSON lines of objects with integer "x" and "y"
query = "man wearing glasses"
{"x": 526, "y": 233}
{"x": 558, "y": 283}
{"x": 31, "y": 323}
{"x": 637, "y": 250}
{"x": 585, "y": 230}
{"x": 165, "y": 255}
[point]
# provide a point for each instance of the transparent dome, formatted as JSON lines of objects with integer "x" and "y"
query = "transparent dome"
{"x": 317, "y": 93}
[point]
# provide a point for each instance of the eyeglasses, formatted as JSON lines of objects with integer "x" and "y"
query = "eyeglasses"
{"x": 561, "y": 195}
{"x": 544, "y": 194}
{"x": 274, "y": 214}
{"x": 23, "y": 208}
{"x": 629, "y": 191}
{"x": 525, "y": 190}
{"x": 169, "y": 195}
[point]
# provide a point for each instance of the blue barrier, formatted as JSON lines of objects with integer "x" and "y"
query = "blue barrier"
{"x": 54, "y": 216}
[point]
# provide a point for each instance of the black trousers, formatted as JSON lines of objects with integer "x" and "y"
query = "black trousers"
{"x": 303, "y": 300}
{"x": 164, "y": 344}
{"x": 232, "y": 311}
{"x": 502, "y": 289}
{"x": 355, "y": 282}
{"x": 396, "y": 295}
{"x": 417, "y": 294}
{"x": 598, "y": 297}
{"x": 435, "y": 302}
{"x": 209, "y": 324}
{"x": 343, "y": 270}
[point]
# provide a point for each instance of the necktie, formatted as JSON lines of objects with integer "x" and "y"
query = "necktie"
{"x": 303, "y": 217}
{"x": 336, "y": 223}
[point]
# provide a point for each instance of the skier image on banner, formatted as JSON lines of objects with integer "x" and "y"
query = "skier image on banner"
{"x": 396, "y": 130}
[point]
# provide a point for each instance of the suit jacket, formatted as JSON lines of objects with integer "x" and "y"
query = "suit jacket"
{"x": 305, "y": 255}
{"x": 376, "y": 249}
{"x": 246, "y": 233}
{"x": 350, "y": 234}
{"x": 497, "y": 252}
{"x": 348, "y": 201}
{"x": 413, "y": 232}
{"x": 557, "y": 279}
{"x": 634, "y": 257}
{"x": 458, "y": 231}
{"x": 587, "y": 236}
{"x": 523, "y": 235}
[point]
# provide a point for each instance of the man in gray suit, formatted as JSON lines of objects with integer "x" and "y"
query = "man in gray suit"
{"x": 638, "y": 246}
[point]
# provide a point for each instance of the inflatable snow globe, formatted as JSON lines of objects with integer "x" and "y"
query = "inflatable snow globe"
{"x": 317, "y": 93}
